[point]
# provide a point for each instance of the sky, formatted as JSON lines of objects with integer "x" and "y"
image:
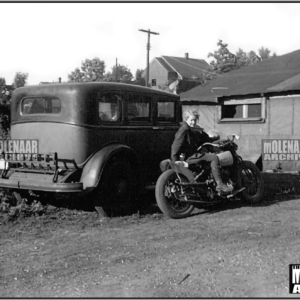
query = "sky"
{"x": 49, "y": 40}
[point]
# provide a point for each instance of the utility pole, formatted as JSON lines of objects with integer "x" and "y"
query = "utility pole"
{"x": 116, "y": 70}
{"x": 148, "y": 49}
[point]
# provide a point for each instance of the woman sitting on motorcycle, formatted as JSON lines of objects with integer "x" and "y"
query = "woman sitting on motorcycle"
{"x": 188, "y": 139}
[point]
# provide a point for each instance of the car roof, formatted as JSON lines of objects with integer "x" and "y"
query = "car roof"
{"x": 85, "y": 86}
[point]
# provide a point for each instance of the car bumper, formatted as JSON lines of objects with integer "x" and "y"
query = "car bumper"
{"x": 45, "y": 187}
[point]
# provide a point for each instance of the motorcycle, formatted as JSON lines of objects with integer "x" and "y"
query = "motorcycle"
{"x": 189, "y": 183}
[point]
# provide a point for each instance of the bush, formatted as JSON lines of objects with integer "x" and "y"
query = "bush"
{"x": 14, "y": 209}
{"x": 4, "y": 121}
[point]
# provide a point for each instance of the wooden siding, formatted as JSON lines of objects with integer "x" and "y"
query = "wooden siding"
{"x": 158, "y": 72}
{"x": 282, "y": 122}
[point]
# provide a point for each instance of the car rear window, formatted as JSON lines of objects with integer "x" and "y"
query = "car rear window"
{"x": 40, "y": 105}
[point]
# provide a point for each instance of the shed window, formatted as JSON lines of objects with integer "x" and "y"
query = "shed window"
{"x": 40, "y": 105}
{"x": 232, "y": 111}
{"x": 254, "y": 110}
{"x": 242, "y": 110}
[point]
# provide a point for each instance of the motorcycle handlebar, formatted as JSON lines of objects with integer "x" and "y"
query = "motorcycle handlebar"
{"x": 225, "y": 142}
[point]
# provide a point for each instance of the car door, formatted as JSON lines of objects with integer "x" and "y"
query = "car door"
{"x": 167, "y": 117}
{"x": 140, "y": 134}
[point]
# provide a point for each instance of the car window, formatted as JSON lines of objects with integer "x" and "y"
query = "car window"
{"x": 40, "y": 105}
{"x": 139, "y": 109}
{"x": 110, "y": 107}
{"x": 165, "y": 111}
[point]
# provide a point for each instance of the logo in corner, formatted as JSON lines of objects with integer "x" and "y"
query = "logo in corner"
{"x": 294, "y": 279}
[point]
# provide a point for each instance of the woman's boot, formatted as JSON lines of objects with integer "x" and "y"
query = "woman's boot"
{"x": 221, "y": 187}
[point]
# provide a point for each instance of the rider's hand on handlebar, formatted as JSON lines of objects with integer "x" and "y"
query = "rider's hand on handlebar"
{"x": 223, "y": 142}
{"x": 232, "y": 137}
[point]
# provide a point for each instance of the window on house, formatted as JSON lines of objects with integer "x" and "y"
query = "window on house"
{"x": 153, "y": 82}
{"x": 242, "y": 110}
{"x": 165, "y": 111}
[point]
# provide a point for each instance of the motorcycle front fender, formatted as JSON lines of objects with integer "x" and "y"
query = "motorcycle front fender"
{"x": 183, "y": 170}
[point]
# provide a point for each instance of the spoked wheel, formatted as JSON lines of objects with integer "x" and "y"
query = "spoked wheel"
{"x": 166, "y": 191}
{"x": 250, "y": 178}
{"x": 117, "y": 190}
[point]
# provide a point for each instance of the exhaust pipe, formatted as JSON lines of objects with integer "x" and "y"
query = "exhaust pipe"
{"x": 195, "y": 201}
{"x": 192, "y": 184}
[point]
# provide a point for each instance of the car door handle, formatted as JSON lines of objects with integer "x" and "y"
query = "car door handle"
{"x": 156, "y": 127}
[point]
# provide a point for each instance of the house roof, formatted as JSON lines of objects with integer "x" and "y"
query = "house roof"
{"x": 280, "y": 73}
{"x": 164, "y": 64}
{"x": 186, "y": 67}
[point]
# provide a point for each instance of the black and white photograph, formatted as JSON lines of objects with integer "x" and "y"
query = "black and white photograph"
{"x": 149, "y": 150}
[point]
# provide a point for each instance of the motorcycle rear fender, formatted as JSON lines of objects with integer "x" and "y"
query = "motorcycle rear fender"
{"x": 251, "y": 156}
{"x": 182, "y": 170}
{"x": 94, "y": 167}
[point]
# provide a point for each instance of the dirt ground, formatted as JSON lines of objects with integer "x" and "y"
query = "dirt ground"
{"x": 233, "y": 250}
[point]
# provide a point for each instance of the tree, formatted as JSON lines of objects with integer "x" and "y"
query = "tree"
{"x": 119, "y": 73}
{"x": 76, "y": 76}
{"x": 204, "y": 76}
{"x": 265, "y": 53}
{"x": 20, "y": 79}
{"x": 243, "y": 59}
{"x": 91, "y": 70}
{"x": 253, "y": 58}
{"x": 5, "y": 96}
{"x": 225, "y": 61}
{"x": 139, "y": 80}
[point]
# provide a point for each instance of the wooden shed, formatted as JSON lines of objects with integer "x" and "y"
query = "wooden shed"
{"x": 260, "y": 103}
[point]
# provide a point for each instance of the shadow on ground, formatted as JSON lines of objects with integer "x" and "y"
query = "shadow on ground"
{"x": 145, "y": 204}
{"x": 277, "y": 188}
